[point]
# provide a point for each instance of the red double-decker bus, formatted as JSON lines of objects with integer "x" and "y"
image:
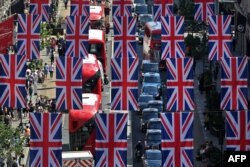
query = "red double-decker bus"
{"x": 81, "y": 122}
{"x": 152, "y": 41}
{"x": 97, "y": 46}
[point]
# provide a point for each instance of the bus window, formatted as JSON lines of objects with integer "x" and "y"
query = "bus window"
{"x": 91, "y": 84}
{"x": 96, "y": 50}
{"x": 156, "y": 36}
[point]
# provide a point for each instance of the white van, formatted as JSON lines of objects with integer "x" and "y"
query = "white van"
{"x": 77, "y": 159}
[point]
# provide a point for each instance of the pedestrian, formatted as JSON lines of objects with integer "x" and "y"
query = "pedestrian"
{"x": 65, "y": 4}
{"x": 201, "y": 83}
{"x": 31, "y": 89}
{"x": 35, "y": 80}
{"x": 51, "y": 70}
{"x": 52, "y": 57}
{"x": 7, "y": 119}
{"x": 206, "y": 122}
{"x": 46, "y": 70}
{"x": 14, "y": 162}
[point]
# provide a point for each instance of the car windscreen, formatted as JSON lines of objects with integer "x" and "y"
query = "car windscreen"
{"x": 139, "y": 1}
{"x": 145, "y": 99}
{"x": 154, "y": 136}
{"x": 150, "y": 67}
{"x": 152, "y": 79}
{"x": 158, "y": 106}
{"x": 145, "y": 19}
{"x": 156, "y": 36}
{"x": 150, "y": 90}
{"x": 155, "y": 125}
{"x": 141, "y": 9}
{"x": 154, "y": 156}
{"x": 148, "y": 115}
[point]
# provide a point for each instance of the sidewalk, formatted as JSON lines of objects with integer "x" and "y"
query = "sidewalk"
{"x": 200, "y": 100}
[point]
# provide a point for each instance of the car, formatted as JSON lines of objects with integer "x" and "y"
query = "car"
{"x": 140, "y": 36}
{"x": 154, "y": 123}
{"x": 152, "y": 158}
{"x": 152, "y": 78}
{"x": 139, "y": 1}
{"x": 140, "y": 9}
{"x": 143, "y": 19}
{"x": 148, "y": 66}
{"x": 148, "y": 113}
{"x": 152, "y": 139}
{"x": 151, "y": 90}
{"x": 143, "y": 102}
{"x": 156, "y": 104}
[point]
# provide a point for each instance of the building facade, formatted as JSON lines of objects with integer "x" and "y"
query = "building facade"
{"x": 243, "y": 39}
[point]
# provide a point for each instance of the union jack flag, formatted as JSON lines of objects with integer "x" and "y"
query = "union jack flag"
{"x": 124, "y": 36}
{"x": 177, "y": 139}
{"x": 122, "y": 8}
{"x": 238, "y": 130}
{"x": 40, "y": 7}
{"x": 124, "y": 83}
{"x": 162, "y": 8}
{"x": 12, "y": 81}
{"x": 69, "y": 83}
{"x": 203, "y": 9}
{"x": 45, "y": 139}
{"x": 180, "y": 84}
{"x": 79, "y": 8}
{"x": 234, "y": 83}
{"x": 172, "y": 37}
{"x": 220, "y": 38}
{"x": 77, "y": 36}
{"x": 28, "y": 36}
{"x": 111, "y": 139}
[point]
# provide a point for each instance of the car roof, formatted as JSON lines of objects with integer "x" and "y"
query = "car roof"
{"x": 141, "y": 4}
{"x": 142, "y": 15}
{"x": 148, "y": 62}
{"x": 154, "y": 120}
{"x": 153, "y": 131}
{"x": 155, "y": 102}
{"x": 146, "y": 95}
{"x": 150, "y": 109}
{"x": 153, "y": 151}
{"x": 149, "y": 85}
{"x": 151, "y": 74}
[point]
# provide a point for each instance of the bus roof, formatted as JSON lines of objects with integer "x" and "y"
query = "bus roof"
{"x": 153, "y": 26}
{"x": 96, "y": 13}
{"x": 96, "y": 35}
{"x": 71, "y": 155}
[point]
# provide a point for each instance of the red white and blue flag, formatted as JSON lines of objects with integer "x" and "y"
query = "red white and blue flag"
{"x": 203, "y": 9}
{"x": 45, "y": 139}
{"x": 13, "y": 81}
{"x": 77, "y": 36}
{"x": 124, "y": 83}
{"x": 111, "y": 139}
{"x": 234, "y": 83}
{"x": 172, "y": 37}
{"x": 68, "y": 83}
{"x": 220, "y": 38}
{"x": 177, "y": 139}
{"x": 124, "y": 36}
{"x": 122, "y": 8}
{"x": 28, "y": 36}
{"x": 162, "y": 8}
{"x": 40, "y": 7}
{"x": 238, "y": 130}
{"x": 180, "y": 84}
{"x": 79, "y": 8}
